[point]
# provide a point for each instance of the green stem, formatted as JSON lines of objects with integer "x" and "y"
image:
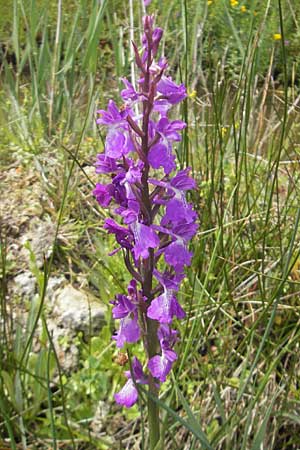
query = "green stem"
{"x": 153, "y": 408}
{"x": 151, "y": 342}
{"x": 153, "y": 421}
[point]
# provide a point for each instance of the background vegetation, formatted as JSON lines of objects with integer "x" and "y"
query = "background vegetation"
{"x": 236, "y": 385}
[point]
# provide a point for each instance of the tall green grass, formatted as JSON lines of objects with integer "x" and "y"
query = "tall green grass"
{"x": 236, "y": 385}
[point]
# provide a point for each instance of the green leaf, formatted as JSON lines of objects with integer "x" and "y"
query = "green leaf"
{"x": 191, "y": 425}
{"x": 9, "y": 384}
{"x": 260, "y": 435}
{"x": 192, "y": 419}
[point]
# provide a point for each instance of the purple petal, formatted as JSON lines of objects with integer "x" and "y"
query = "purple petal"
{"x": 168, "y": 280}
{"x": 128, "y": 395}
{"x": 138, "y": 373}
{"x": 170, "y": 355}
{"x": 118, "y": 143}
{"x": 123, "y": 307}
{"x": 159, "y": 367}
{"x": 104, "y": 164}
{"x": 129, "y": 216}
{"x": 156, "y": 37}
{"x": 129, "y": 331}
{"x": 165, "y": 307}
{"x": 178, "y": 210}
{"x": 162, "y": 106}
{"x": 177, "y": 255}
{"x": 145, "y": 238}
{"x": 169, "y": 129}
{"x": 182, "y": 181}
{"x": 110, "y": 117}
{"x": 160, "y": 156}
{"x": 114, "y": 227}
{"x": 113, "y": 109}
{"x": 132, "y": 289}
{"x": 134, "y": 173}
{"x": 167, "y": 338}
{"x": 103, "y": 193}
{"x": 129, "y": 93}
{"x": 185, "y": 230}
{"x": 123, "y": 235}
{"x": 174, "y": 93}
{"x": 177, "y": 125}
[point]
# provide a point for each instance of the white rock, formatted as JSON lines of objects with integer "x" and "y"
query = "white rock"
{"x": 53, "y": 284}
{"x": 76, "y": 310}
{"x": 67, "y": 352}
{"x": 100, "y": 417}
{"x": 24, "y": 284}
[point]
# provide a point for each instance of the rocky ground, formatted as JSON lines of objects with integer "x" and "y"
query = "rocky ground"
{"x": 29, "y": 230}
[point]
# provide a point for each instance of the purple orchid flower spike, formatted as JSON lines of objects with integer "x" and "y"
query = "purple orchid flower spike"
{"x": 152, "y": 220}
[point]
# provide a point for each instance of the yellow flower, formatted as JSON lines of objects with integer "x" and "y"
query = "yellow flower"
{"x": 278, "y": 319}
{"x": 223, "y": 131}
{"x": 277, "y": 36}
{"x": 243, "y": 8}
{"x": 192, "y": 94}
{"x": 209, "y": 2}
{"x": 234, "y": 3}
